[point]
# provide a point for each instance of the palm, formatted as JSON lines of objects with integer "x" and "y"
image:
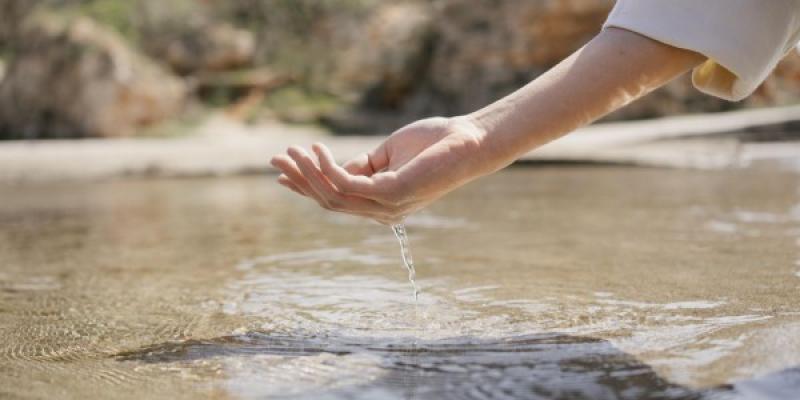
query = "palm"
{"x": 374, "y": 184}
{"x": 406, "y": 143}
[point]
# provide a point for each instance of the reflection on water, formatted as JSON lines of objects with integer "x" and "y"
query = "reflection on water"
{"x": 540, "y": 283}
{"x": 550, "y": 366}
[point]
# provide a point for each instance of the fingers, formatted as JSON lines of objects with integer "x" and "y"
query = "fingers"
{"x": 324, "y": 191}
{"x": 334, "y": 187}
{"x": 285, "y": 181}
{"x": 292, "y": 173}
{"x": 360, "y": 165}
{"x": 318, "y": 185}
{"x": 369, "y": 163}
{"x": 344, "y": 181}
{"x": 377, "y": 187}
{"x": 378, "y": 158}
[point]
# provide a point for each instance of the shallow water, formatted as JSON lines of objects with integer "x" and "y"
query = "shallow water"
{"x": 595, "y": 283}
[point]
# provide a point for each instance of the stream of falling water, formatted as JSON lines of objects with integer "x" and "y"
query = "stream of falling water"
{"x": 405, "y": 251}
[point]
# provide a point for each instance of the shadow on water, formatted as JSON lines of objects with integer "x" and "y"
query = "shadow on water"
{"x": 547, "y": 366}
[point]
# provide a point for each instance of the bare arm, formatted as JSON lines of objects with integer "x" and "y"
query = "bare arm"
{"x": 424, "y": 160}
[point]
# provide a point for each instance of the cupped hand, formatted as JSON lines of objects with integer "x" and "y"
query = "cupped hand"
{"x": 414, "y": 166}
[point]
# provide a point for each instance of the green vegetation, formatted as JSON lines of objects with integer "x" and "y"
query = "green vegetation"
{"x": 183, "y": 125}
{"x": 298, "y": 37}
{"x": 298, "y": 104}
{"x": 114, "y": 14}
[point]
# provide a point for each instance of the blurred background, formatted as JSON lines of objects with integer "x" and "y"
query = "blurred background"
{"x": 577, "y": 276}
{"x": 112, "y": 68}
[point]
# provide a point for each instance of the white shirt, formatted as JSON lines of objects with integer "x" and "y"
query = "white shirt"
{"x": 743, "y": 39}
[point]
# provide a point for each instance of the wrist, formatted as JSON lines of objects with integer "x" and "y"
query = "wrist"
{"x": 469, "y": 125}
{"x": 480, "y": 155}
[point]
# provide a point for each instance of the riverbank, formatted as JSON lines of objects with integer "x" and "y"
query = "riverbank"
{"x": 221, "y": 147}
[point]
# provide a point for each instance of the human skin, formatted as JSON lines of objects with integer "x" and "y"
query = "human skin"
{"x": 427, "y": 159}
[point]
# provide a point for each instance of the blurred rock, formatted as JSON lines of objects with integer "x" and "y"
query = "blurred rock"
{"x": 454, "y": 56}
{"x": 487, "y": 50}
{"x": 416, "y": 59}
{"x": 201, "y": 47}
{"x": 361, "y": 66}
{"x": 74, "y": 78}
{"x": 783, "y": 85}
{"x": 12, "y": 13}
{"x": 389, "y": 53}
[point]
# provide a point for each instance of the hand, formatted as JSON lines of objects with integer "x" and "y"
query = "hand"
{"x": 426, "y": 159}
{"x": 415, "y": 166}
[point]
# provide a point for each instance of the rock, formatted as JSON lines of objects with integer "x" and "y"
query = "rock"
{"x": 783, "y": 85}
{"x": 74, "y": 78}
{"x": 486, "y": 51}
{"x": 201, "y": 47}
{"x": 384, "y": 58}
{"x": 454, "y": 56}
{"x": 12, "y": 13}
{"x": 417, "y": 59}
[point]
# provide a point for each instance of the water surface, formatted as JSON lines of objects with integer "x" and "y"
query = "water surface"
{"x": 595, "y": 283}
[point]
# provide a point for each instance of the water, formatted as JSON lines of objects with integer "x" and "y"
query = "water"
{"x": 565, "y": 283}
{"x": 405, "y": 251}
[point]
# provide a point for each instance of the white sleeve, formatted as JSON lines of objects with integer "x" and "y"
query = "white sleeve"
{"x": 743, "y": 39}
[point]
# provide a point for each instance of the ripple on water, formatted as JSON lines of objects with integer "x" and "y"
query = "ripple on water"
{"x": 315, "y": 257}
{"x": 339, "y": 323}
{"x": 294, "y": 300}
{"x": 29, "y": 284}
{"x": 288, "y": 297}
{"x": 52, "y": 331}
{"x": 548, "y": 365}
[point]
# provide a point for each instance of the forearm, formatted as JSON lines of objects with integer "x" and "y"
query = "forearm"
{"x": 612, "y": 70}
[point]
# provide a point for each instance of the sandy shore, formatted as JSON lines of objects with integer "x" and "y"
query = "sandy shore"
{"x": 224, "y": 147}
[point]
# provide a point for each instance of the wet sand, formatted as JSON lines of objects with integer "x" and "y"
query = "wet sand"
{"x": 221, "y": 146}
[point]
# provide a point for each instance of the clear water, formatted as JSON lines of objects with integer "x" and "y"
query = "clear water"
{"x": 566, "y": 283}
{"x": 405, "y": 252}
